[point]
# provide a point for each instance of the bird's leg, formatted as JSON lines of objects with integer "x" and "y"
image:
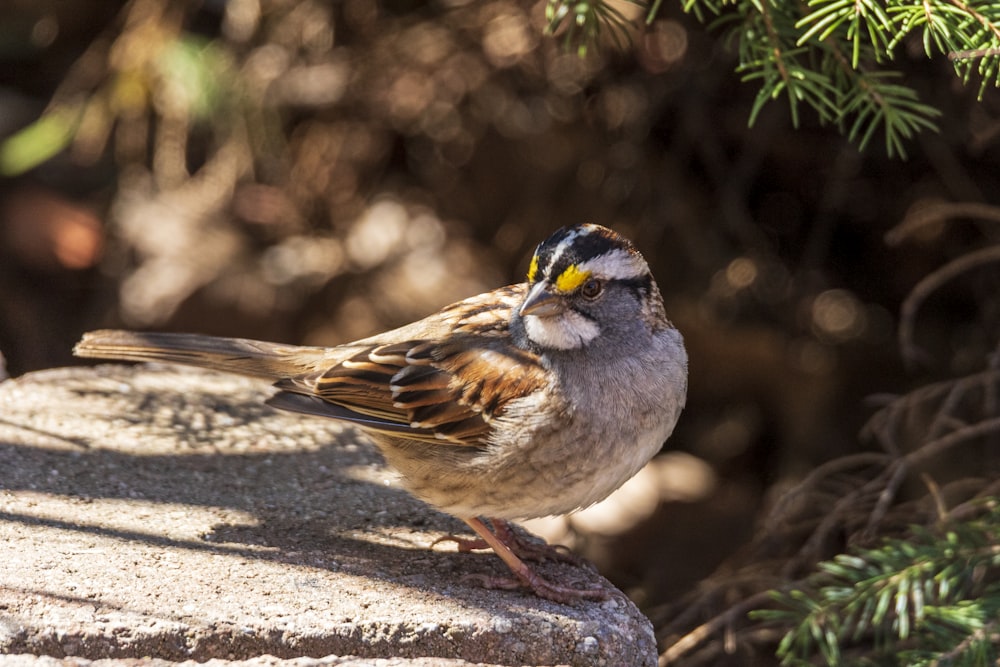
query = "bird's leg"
{"x": 535, "y": 549}
{"x": 526, "y": 577}
{"x": 524, "y": 548}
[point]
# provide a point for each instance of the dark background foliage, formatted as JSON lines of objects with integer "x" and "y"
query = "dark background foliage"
{"x": 313, "y": 172}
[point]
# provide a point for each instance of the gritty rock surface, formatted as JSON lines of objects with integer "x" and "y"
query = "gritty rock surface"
{"x": 26, "y": 660}
{"x": 167, "y": 513}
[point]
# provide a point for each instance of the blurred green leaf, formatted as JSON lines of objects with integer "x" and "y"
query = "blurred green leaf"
{"x": 196, "y": 73}
{"x": 40, "y": 141}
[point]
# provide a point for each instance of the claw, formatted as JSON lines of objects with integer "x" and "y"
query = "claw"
{"x": 536, "y": 549}
{"x": 464, "y": 545}
{"x": 523, "y": 547}
{"x": 511, "y": 548}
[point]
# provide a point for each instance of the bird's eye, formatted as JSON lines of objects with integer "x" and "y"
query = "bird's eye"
{"x": 592, "y": 288}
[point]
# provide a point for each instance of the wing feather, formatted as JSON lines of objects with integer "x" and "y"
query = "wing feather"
{"x": 444, "y": 390}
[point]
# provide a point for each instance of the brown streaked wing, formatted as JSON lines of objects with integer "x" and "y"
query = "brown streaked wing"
{"x": 452, "y": 389}
{"x": 457, "y": 388}
{"x": 359, "y": 384}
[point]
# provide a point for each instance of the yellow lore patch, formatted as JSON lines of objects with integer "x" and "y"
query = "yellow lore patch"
{"x": 571, "y": 278}
{"x": 533, "y": 269}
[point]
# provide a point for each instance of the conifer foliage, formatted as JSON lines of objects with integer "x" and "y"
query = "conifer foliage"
{"x": 889, "y": 556}
{"x": 834, "y": 57}
{"x": 930, "y": 599}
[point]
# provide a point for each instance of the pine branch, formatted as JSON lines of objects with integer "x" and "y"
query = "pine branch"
{"x": 928, "y": 598}
{"x": 839, "y": 48}
{"x": 583, "y": 23}
{"x": 832, "y": 56}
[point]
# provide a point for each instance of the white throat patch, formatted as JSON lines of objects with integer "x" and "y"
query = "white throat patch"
{"x": 568, "y": 331}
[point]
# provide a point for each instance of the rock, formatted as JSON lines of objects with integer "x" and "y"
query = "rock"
{"x": 160, "y": 512}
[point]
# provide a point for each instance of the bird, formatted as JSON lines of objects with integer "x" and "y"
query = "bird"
{"x": 531, "y": 400}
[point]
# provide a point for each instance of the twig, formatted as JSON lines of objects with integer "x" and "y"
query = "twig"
{"x": 757, "y": 577}
{"x": 989, "y": 630}
{"x": 929, "y": 284}
{"x": 879, "y": 423}
{"x": 779, "y": 511}
{"x": 896, "y": 476}
{"x": 939, "y": 212}
{"x": 934, "y": 489}
{"x": 957, "y": 437}
{"x": 944, "y": 417}
{"x": 982, "y": 501}
{"x": 705, "y": 630}
{"x": 833, "y": 518}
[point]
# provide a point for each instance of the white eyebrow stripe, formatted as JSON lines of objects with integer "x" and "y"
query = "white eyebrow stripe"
{"x": 563, "y": 245}
{"x": 617, "y": 265}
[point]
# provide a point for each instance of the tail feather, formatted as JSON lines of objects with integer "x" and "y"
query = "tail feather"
{"x": 236, "y": 355}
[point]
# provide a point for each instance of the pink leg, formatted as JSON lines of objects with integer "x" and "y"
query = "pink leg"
{"x": 536, "y": 550}
{"x": 526, "y": 577}
{"x": 523, "y": 548}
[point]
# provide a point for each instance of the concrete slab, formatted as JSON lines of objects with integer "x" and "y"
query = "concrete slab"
{"x": 159, "y": 512}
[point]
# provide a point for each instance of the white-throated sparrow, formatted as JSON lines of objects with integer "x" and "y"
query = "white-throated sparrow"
{"x": 531, "y": 400}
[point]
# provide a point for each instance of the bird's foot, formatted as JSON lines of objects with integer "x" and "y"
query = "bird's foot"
{"x": 528, "y": 547}
{"x": 464, "y": 544}
{"x": 511, "y": 548}
{"x": 524, "y": 547}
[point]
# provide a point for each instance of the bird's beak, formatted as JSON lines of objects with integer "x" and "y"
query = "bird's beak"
{"x": 542, "y": 302}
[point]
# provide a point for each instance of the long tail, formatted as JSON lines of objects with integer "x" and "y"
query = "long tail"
{"x": 236, "y": 355}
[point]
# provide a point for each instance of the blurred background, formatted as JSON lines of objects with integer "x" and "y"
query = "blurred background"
{"x": 313, "y": 172}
